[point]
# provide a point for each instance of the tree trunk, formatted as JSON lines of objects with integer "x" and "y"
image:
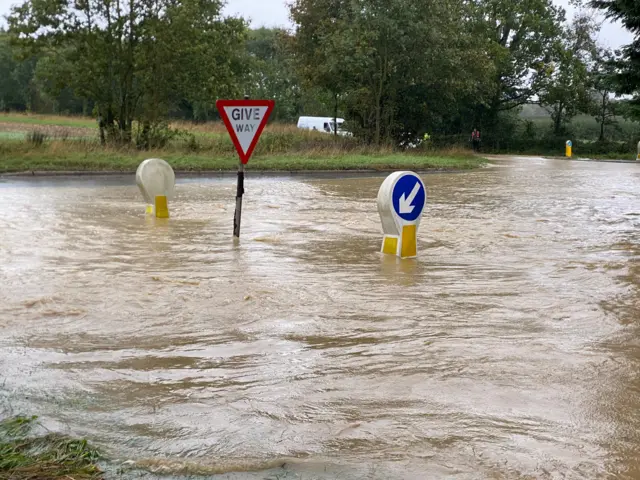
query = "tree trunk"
{"x": 602, "y": 117}
{"x": 557, "y": 121}
{"x": 383, "y": 64}
{"x": 103, "y": 140}
{"x": 144, "y": 142}
{"x": 378, "y": 114}
{"x": 335, "y": 115}
{"x": 108, "y": 130}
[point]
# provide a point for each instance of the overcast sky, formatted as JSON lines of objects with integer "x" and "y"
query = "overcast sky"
{"x": 275, "y": 13}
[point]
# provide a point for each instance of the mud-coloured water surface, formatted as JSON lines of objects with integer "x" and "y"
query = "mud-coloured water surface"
{"x": 509, "y": 349}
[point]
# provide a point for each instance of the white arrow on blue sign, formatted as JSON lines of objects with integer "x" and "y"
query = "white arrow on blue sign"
{"x": 409, "y": 197}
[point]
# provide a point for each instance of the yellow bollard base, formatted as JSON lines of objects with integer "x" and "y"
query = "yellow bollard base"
{"x": 149, "y": 210}
{"x": 404, "y": 246}
{"x": 408, "y": 242}
{"x": 162, "y": 208}
{"x": 390, "y": 245}
{"x": 568, "y": 152}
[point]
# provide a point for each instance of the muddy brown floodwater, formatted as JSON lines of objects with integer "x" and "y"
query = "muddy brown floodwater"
{"x": 509, "y": 349}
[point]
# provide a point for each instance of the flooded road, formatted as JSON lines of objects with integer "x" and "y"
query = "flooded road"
{"x": 509, "y": 349}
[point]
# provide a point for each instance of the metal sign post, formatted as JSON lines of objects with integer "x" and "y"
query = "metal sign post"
{"x": 245, "y": 120}
{"x": 239, "y": 192}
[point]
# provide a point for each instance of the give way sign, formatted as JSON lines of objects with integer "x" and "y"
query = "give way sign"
{"x": 245, "y": 120}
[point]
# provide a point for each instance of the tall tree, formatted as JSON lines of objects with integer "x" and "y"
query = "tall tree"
{"x": 521, "y": 36}
{"x": 325, "y": 48}
{"x": 396, "y": 65}
{"x": 604, "y": 108}
{"x": 16, "y": 78}
{"x": 564, "y": 90}
{"x": 627, "y": 78}
{"x": 135, "y": 58}
{"x": 271, "y": 73}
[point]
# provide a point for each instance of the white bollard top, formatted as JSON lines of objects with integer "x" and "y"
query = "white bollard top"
{"x": 401, "y": 201}
{"x": 155, "y": 177}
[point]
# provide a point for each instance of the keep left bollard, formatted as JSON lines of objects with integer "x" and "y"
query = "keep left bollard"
{"x": 156, "y": 181}
{"x": 568, "y": 148}
{"x": 401, "y": 201}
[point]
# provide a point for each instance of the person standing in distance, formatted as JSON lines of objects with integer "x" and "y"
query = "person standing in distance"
{"x": 475, "y": 140}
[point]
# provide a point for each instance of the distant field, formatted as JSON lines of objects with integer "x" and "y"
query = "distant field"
{"x": 81, "y": 127}
{"x": 584, "y": 127}
{"x": 586, "y": 121}
{"x": 12, "y": 135}
{"x": 29, "y": 119}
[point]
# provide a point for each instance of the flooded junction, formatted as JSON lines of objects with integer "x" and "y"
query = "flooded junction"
{"x": 509, "y": 348}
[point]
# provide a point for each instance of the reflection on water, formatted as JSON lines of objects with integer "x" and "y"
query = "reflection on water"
{"x": 508, "y": 349}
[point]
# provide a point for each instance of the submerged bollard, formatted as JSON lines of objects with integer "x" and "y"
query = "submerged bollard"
{"x": 401, "y": 201}
{"x": 638, "y": 157}
{"x": 156, "y": 181}
{"x": 568, "y": 148}
{"x": 162, "y": 209}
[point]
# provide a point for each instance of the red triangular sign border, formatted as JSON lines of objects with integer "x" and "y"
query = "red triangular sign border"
{"x": 220, "y": 104}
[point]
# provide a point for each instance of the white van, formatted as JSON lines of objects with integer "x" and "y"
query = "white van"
{"x": 322, "y": 124}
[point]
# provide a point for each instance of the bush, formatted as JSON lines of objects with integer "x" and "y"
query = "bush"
{"x": 153, "y": 135}
{"x": 36, "y": 138}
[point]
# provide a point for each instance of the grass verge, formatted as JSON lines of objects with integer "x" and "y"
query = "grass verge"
{"x": 67, "y": 156}
{"x": 30, "y": 143}
{"x": 25, "y": 456}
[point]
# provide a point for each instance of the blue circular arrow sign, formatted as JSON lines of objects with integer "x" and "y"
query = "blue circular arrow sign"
{"x": 409, "y": 197}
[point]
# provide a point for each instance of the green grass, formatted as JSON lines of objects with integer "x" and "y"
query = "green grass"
{"x": 83, "y": 122}
{"x": 25, "y": 456}
{"x": 12, "y": 136}
{"x": 47, "y": 159}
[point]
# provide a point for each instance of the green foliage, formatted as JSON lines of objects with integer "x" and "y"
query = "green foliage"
{"x": 394, "y": 69}
{"x": 136, "y": 60}
{"x": 15, "y": 78}
{"x": 520, "y": 38}
{"x": 394, "y": 66}
{"x": 564, "y": 89}
{"x": 271, "y": 73}
{"x": 626, "y": 78}
{"x": 604, "y": 109}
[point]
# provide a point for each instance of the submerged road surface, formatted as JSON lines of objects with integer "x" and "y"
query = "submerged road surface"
{"x": 509, "y": 349}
